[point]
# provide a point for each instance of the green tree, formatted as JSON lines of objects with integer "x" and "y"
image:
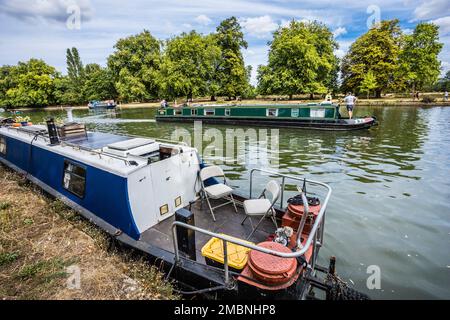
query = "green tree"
{"x": 6, "y": 83}
{"x": 377, "y": 50}
{"x": 32, "y": 84}
{"x": 419, "y": 63}
{"x": 99, "y": 83}
{"x": 130, "y": 87}
{"x": 137, "y": 59}
{"x": 70, "y": 88}
{"x": 75, "y": 69}
{"x": 301, "y": 60}
{"x": 188, "y": 66}
{"x": 368, "y": 84}
{"x": 231, "y": 73}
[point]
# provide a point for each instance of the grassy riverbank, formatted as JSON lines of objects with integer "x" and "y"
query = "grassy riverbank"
{"x": 42, "y": 241}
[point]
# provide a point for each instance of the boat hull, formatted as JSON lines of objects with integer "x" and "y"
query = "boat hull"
{"x": 330, "y": 125}
{"x": 102, "y": 107}
{"x": 190, "y": 275}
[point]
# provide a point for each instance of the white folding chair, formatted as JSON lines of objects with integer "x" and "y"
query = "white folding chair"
{"x": 216, "y": 191}
{"x": 262, "y": 206}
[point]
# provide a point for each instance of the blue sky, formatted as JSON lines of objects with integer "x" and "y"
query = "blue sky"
{"x": 38, "y": 28}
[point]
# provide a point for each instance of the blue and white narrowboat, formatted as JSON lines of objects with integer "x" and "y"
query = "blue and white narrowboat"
{"x": 159, "y": 198}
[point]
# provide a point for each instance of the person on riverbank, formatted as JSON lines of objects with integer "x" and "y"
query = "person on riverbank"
{"x": 350, "y": 101}
{"x": 446, "y": 95}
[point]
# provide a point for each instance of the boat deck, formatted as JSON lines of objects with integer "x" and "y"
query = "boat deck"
{"x": 227, "y": 222}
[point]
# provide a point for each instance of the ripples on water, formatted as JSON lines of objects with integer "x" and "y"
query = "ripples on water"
{"x": 391, "y": 189}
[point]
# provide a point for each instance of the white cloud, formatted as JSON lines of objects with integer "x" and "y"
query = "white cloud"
{"x": 408, "y": 31}
{"x": 203, "y": 19}
{"x": 344, "y": 45}
{"x": 45, "y": 10}
{"x": 430, "y": 9}
{"x": 259, "y": 26}
{"x": 444, "y": 25}
{"x": 255, "y": 56}
{"x": 339, "y": 31}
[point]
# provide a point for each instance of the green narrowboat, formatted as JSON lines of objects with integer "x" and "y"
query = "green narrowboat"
{"x": 319, "y": 116}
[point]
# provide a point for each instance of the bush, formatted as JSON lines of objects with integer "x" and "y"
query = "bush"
{"x": 428, "y": 99}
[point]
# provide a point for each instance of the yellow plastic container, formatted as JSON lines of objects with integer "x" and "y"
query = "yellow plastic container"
{"x": 237, "y": 255}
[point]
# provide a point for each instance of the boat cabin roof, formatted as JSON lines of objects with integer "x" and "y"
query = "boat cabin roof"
{"x": 117, "y": 153}
{"x": 285, "y": 105}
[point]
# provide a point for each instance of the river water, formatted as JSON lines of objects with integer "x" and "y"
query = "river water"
{"x": 390, "y": 205}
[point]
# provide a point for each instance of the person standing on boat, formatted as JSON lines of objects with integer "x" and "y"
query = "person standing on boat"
{"x": 350, "y": 101}
{"x": 164, "y": 103}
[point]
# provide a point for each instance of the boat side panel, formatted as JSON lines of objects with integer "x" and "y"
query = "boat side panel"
{"x": 105, "y": 193}
{"x": 141, "y": 196}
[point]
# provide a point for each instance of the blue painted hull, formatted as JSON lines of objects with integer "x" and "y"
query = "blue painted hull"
{"x": 106, "y": 194}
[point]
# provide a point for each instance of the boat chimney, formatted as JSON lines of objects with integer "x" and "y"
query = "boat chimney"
{"x": 52, "y": 131}
{"x": 69, "y": 114}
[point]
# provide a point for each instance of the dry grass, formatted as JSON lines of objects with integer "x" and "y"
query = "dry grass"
{"x": 42, "y": 241}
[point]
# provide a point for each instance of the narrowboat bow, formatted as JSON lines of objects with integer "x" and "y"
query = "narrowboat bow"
{"x": 318, "y": 116}
{"x": 150, "y": 194}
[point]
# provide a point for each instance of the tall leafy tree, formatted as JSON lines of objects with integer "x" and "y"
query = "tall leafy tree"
{"x": 32, "y": 84}
{"x": 231, "y": 73}
{"x": 368, "y": 84}
{"x": 137, "y": 58}
{"x": 419, "y": 63}
{"x": 188, "y": 66}
{"x": 75, "y": 68}
{"x": 377, "y": 50}
{"x": 6, "y": 83}
{"x": 72, "y": 86}
{"x": 301, "y": 60}
{"x": 99, "y": 83}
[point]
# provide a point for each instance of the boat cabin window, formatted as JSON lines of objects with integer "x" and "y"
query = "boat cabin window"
{"x": 272, "y": 112}
{"x": 193, "y": 112}
{"x": 3, "y": 145}
{"x": 227, "y": 112}
{"x": 209, "y": 112}
{"x": 294, "y": 113}
{"x": 317, "y": 113}
{"x": 177, "y": 112}
{"x": 166, "y": 152}
{"x": 74, "y": 179}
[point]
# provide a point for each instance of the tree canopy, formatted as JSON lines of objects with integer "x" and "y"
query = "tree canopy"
{"x": 419, "y": 63}
{"x": 188, "y": 65}
{"x": 30, "y": 83}
{"x": 135, "y": 67}
{"x": 301, "y": 60}
{"x": 231, "y": 73}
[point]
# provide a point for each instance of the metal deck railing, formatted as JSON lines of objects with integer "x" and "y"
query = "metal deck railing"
{"x": 315, "y": 237}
